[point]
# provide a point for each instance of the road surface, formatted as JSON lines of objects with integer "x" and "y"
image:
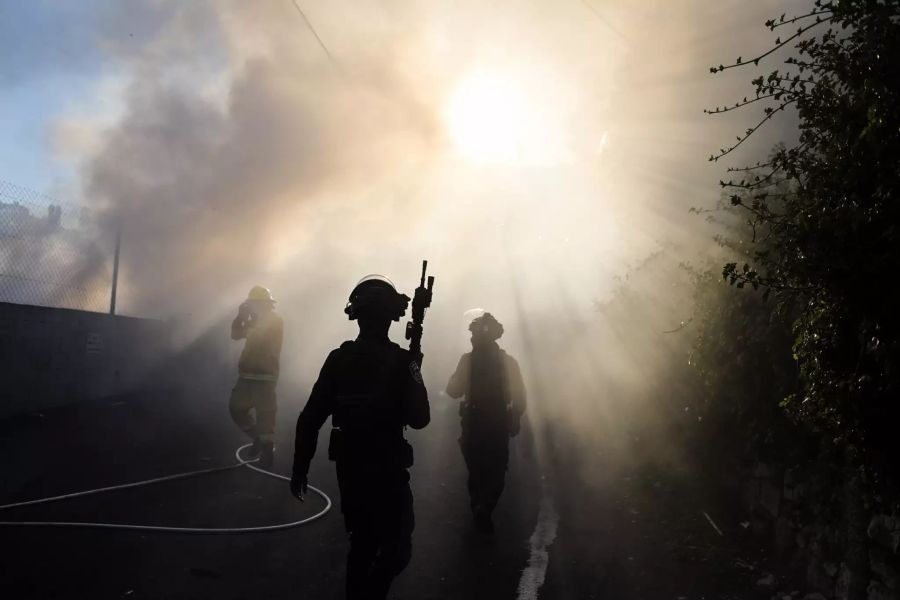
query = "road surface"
{"x": 568, "y": 526}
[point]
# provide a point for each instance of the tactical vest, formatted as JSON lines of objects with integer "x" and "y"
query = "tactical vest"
{"x": 367, "y": 418}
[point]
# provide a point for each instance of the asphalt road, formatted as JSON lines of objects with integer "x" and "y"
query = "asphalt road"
{"x": 625, "y": 531}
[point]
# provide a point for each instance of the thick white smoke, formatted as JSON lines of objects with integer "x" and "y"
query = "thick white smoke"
{"x": 243, "y": 154}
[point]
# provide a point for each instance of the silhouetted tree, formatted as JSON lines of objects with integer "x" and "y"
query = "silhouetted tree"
{"x": 823, "y": 214}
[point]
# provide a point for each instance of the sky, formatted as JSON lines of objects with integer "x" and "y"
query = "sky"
{"x": 65, "y": 60}
{"x": 539, "y": 153}
{"x": 59, "y": 61}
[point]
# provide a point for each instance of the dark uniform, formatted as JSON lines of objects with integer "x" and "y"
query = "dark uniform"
{"x": 372, "y": 389}
{"x": 494, "y": 392}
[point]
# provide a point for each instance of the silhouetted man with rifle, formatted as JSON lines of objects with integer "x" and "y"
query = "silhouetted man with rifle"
{"x": 372, "y": 388}
{"x": 494, "y": 392}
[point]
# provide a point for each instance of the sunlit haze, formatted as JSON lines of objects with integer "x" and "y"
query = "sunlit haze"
{"x": 659, "y": 360}
{"x": 493, "y": 117}
{"x": 536, "y": 153}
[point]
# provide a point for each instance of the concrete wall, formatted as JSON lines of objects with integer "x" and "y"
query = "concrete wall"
{"x": 51, "y": 356}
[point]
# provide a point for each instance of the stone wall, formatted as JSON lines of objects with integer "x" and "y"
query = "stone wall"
{"x": 813, "y": 525}
{"x": 50, "y": 356}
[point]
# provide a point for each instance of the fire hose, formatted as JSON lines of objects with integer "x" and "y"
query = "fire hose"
{"x": 165, "y": 528}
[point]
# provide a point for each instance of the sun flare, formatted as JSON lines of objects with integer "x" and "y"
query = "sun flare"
{"x": 497, "y": 119}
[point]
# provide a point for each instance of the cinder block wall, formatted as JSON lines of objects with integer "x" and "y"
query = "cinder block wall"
{"x": 51, "y": 356}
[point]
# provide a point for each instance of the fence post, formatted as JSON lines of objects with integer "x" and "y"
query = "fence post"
{"x": 115, "y": 273}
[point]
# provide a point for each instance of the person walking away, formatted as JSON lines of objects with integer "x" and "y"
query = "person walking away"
{"x": 491, "y": 382}
{"x": 372, "y": 389}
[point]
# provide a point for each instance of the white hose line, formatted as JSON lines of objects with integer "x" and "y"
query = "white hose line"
{"x": 123, "y": 486}
{"x": 127, "y": 527}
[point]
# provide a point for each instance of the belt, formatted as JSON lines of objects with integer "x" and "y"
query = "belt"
{"x": 258, "y": 377}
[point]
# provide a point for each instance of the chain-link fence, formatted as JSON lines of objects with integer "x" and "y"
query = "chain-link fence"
{"x": 51, "y": 253}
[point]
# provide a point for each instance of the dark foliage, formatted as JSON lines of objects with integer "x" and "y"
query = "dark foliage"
{"x": 823, "y": 215}
{"x": 742, "y": 363}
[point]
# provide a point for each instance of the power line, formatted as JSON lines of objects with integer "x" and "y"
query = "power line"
{"x": 604, "y": 20}
{"x": 312, "y": 29}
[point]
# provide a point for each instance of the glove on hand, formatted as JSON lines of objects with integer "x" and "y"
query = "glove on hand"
{"x": 244, "y": 311}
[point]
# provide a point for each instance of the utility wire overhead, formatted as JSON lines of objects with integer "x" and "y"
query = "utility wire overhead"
{"x": 312, "y": 29}
{"x": 605, "y": 21}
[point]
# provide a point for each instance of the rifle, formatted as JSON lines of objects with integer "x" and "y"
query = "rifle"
{"x": 421, "y": 301}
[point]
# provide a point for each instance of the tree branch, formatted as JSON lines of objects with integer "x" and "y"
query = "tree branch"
{"x": 680, "y": 327}
{"x": 779, "y": 44}
{"x": 751, "y": 131}
{"x": 773, "y": 25}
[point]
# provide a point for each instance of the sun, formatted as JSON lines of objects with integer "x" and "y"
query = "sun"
{"x": 485, "y": 118}
{"x": 494, "y": 117}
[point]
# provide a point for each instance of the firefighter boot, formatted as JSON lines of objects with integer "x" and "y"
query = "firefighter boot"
{"x": 255, "y": 449}
{"x": 266, "y": 454}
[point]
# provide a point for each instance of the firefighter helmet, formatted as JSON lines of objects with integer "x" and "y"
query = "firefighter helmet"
{"x": 258, "y": 292}
{"x": 486, "y": 327}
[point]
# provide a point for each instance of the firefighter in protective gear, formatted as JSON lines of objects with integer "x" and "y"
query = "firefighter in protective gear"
{"x": 254, "y": 391}
{"x": 371, "y": 388}
{"x": 491, "y": 382}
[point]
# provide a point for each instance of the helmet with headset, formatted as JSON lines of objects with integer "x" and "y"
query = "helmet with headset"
{"x": 375, "y": 296}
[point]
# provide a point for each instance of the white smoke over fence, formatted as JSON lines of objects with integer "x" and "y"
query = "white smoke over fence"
{"x": 51, "y": 254}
